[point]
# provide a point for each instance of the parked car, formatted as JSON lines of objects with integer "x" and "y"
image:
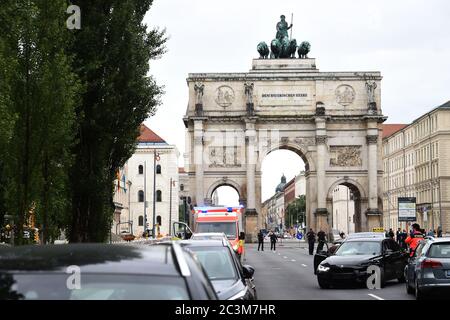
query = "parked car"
{"x": 428, "y": 271}
{"x": 231, "y": 279}
{"x": 357, "y": 235}
{"x": 208, "y": 236}
{"x": 352, "y": 258}
{"x": 102, "y": 272}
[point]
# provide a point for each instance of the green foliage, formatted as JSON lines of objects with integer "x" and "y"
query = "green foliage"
{"x": 296, "y": 211}
{"x": 112, "y": 53}
{"x": 40, "y": 96}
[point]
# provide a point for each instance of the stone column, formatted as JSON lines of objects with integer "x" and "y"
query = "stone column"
{"x": 198, "y": 161}
{"x": 251, "y": 223}
{"x": 321, "y": 140}
{"x": 372, "y": 156}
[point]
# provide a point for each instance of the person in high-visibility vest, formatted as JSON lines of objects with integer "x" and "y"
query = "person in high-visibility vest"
{"x": 241, "y": 250}
{"x": 414, "y": 238}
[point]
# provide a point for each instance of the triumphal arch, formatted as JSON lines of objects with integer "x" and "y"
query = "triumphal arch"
{"x": 332, "y": 120}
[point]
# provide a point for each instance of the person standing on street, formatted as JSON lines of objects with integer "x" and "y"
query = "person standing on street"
{"x": 322, "y": 238}
{"x": 311, "y": 236}
{"x": 261, "y": 240}
{"x": 391, "y": 233}
{"x": 414, "y": 238}
{"x": 273, "y": 240}
{"x": 439, "y": 232}
{"x": 398, "y": 235}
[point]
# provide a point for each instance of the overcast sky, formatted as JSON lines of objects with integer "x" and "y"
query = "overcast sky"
{"x": 407, "y": 40}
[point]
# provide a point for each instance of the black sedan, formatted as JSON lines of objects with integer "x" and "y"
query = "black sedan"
{"x": 350, "y": 262}
{"x": 231, "y": 279}
{"x": 102, "y": 272}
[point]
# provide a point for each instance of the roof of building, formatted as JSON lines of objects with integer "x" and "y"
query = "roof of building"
{"x": 148, "y": 136}
{"x": 389, "y": 129}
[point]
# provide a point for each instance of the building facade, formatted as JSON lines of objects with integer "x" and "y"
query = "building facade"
{"x": 343, "y": 210}
{"x": 153, "y": 184}
{"x": 416, "y": 161}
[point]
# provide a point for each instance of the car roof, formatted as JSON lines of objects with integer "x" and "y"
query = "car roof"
{"x": 91, "y": 258}
{"x": 365, "y": 239}
{"x": 212, "y": 234}
{"x": 204, "y": 243}
{"x": 439, "y": 240}
{"x": 359, "y": 235}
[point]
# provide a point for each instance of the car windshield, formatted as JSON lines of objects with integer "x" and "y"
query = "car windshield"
{"x": 217, "y": 262}
{"x": 352, "y": 248}
{"x": 229, "y": 228}
{"x": 58, "y": 286}
{"x": 440, "y": 250}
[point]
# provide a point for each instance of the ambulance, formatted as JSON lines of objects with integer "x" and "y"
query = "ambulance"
{"x": 220, "y": 219}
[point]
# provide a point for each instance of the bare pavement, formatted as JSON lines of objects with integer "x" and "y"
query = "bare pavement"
{"x": 287, "y": 274}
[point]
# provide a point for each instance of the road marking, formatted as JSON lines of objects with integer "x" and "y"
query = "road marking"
{"x": 279, "y": 254}
{"x": 284, "y": 257}
{"x": 293, "y": 260}
{"x": 304, "y": 265}
{"x": 376, "y": 297}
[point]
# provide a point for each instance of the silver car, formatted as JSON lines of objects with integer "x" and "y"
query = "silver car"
{"x": 428, "y": 271}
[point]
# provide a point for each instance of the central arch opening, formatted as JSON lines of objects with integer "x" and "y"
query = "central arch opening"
{"x": 283, "y": 192}
{"x": 346, "y": 215}
{"x": 225, "y": 195}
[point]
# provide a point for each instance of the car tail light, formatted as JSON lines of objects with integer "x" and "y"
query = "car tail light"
{"x": 428, "y": 263}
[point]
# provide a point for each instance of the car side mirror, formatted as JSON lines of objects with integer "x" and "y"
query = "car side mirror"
{"x": 248, "y": 271}
{"x": 242, "y": 236}
{"x": 323, "y": 253}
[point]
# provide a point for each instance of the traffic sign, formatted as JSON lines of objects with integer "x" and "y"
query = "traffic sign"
{"x": 299, "y": 236}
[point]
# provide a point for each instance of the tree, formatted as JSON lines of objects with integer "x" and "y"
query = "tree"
{"x": 41, "y": 91}
{"x": 296, "y": 210}
{"x": 112, "y": 53}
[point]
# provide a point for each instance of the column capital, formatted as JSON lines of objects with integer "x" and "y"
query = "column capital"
{"x": 372, "y": 139}
{"x": 250, "y": 212}
{"x": 321, "y": 139}
{"x": 321, "y": 211}
{"x": 373, "y": 212}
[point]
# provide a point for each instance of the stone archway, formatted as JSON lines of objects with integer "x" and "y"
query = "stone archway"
{"x": 225, "y": 182}
{"x": 331, "y": 119}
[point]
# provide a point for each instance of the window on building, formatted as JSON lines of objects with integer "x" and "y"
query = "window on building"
{"x": 141, "y": 221}
{"x": 181, "y": 187}
{"x": 158, "y": 169}
{"x": 141, "y": 169}
{"x": 140, "y": 196}
{"x": 158, "y": 220}
{"x": 158, "y": 196}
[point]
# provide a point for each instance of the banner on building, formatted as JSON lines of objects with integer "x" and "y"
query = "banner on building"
{"x": 407, "y": 209}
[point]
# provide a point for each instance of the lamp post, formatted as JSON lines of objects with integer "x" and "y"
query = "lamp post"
{"x": 155, "y": 155}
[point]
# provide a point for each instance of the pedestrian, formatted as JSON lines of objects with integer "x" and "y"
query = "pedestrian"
{"x": 430, "y": 233}
{"x": 403, "y": 235}
{"x": 391, "y": 233}
{"x": 439, "y": 232}
{"x": 273, "y": 240}
{"x": 342, "y": 235}
{"x": 398, "y": 235}
{"x": 311, "y": 236}
{"x": 322, "y": 238}
{"x": 260, "y": 240}
{"x": 414, "y": 239}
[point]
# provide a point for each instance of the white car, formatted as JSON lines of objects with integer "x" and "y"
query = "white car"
{"x": 209, "y": 236}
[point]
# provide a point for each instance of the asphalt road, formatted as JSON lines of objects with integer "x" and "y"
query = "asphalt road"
{"x": 287, "y": 274}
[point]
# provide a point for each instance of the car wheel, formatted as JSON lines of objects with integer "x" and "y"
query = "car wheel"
{"x": 323, "y": 284}
{"x": 383, "y": 279}
{"x": 419, "y": 294}
{"x": 409, "y": 290}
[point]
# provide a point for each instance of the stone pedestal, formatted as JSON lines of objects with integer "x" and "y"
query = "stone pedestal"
{"x": 291, "y": 65}
{"x": 251, "y": 225}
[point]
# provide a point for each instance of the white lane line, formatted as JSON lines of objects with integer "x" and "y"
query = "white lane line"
{"x": 293, "y": 260}
{"x": 284, "y": 257}
{"x": 304, "y": 265}
{"x": 374, "y": 296}
{"x": 279, "y": 254}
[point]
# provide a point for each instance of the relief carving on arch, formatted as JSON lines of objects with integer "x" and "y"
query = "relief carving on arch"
{"x": 224, "y": 157}
{"x": 345, "y": 156}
